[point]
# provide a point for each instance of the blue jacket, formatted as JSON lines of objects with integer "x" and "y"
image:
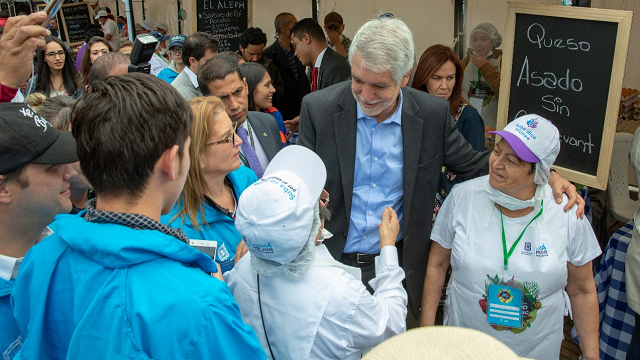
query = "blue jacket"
{"x": 221, "y": 228}
{"x": 9, "y": 332}
{"x": 105, "y": 291}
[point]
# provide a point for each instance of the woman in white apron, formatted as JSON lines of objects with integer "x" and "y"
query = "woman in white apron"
{"x": 481, "y": 84}
{"x": 519, "y": 261}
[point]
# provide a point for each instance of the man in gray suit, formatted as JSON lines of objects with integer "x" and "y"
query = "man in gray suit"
{"x": 197, "y": 49}
{"x": 328, "y": 67}
{"x": 260, "y": 136}
{"x": 384, "y": 144}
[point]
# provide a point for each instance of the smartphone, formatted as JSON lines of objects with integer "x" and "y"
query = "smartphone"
{"x": 51, "y": 9}
{"x": 209, "y": 247}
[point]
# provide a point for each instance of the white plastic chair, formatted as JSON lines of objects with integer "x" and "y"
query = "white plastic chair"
{"x": 622, "y": 206}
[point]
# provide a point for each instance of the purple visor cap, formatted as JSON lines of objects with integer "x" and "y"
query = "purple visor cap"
{"x": 518, "y": 146}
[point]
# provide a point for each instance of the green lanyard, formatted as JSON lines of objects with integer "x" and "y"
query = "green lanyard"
{"x": 506, "y": 254}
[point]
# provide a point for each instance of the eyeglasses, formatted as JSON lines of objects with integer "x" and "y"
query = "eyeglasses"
{"x": 176, "y": 51}
{"x": 231, "y": 138}
{"x": 52, "y": 55}
{"x": 324, "y": 198}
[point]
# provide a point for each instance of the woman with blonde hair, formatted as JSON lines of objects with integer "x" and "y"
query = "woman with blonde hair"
{"x": 207, "y": 207}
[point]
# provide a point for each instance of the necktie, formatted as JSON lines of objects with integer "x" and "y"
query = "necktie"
{"x": 250, "y": 153}
{"x": 314, "y": 79}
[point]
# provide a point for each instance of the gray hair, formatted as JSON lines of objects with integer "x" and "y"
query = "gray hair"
{"x": 384, "y": 45}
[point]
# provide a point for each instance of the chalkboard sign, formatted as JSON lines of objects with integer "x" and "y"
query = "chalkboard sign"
{"x": 63, "y": 37}
{"x": 76, "y": 17}
{"x": 224, "y": 19}
{"x": 567, "y": 64}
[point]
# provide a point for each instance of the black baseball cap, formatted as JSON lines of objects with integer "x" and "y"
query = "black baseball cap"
{"x": 26, "y": 137}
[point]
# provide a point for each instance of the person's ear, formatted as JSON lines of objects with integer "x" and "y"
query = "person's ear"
{"x": 169, "y": 163}
{"x": 5, "y": 192}
{"x": 192, "y": 61}
{"x": 405, "y": 79}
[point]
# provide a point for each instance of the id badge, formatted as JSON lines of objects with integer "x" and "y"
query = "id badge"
{"x": 476, "y": 102}
{"x": 505, "y": 306}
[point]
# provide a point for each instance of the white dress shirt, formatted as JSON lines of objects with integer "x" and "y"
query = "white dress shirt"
{"x": 256, "y": 145}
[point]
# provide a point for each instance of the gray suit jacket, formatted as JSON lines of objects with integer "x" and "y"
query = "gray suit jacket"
{"x": 185, "y": 87}
{"x": 334, "y": 68}
{"x": 266, "y": 130}
{"x": 430, "y": 139}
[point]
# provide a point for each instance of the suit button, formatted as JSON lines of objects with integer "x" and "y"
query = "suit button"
{"x": 345, "y": 235}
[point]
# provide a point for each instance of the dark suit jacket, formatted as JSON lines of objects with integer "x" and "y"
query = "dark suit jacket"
{"x": 430, "y": 139}
{"x": 294, "y": 90}
{"x": 334, "y": 68}
{"x": 265, "y": 129}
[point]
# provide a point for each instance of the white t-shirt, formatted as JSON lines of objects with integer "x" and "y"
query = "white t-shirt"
{"x": 469, "y": 224}
{"x": 110, "y": 27}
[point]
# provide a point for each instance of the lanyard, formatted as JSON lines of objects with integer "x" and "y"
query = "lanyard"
{"x": 506, "y": 254}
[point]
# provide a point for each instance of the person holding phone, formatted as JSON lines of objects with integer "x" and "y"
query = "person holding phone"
{"x": 55, "y": 71}
{"x": 207, "y": 206}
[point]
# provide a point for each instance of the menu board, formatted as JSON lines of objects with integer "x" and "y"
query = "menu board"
{"x": 566, "y": 64}
{"x": 224, "y": 19}
{"x": 75, "y": 17}
{"x": 63, "y": 36}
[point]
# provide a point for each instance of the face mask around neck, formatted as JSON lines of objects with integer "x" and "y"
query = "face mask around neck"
{"x": 512, "y": 203}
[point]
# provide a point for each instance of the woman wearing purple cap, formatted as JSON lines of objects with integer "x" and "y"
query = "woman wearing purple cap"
{"x": 519, "y": 261}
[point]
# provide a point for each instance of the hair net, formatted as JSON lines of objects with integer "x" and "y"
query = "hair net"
{"x": 300, "y": 265}
{"x": 491, "y": 31}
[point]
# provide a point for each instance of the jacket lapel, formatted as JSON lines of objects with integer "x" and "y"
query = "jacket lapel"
{"x": 411, "y": 142}
{"x": 345, "y": 123}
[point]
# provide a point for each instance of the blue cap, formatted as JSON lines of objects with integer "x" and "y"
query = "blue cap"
{"x": 159, "y": 36}
{"x": 177, "y": 40}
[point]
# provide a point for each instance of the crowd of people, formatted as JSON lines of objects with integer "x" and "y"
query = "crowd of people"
{"x": 313, "y": 162}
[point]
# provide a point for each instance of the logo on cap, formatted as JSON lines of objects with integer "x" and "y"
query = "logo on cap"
{"x": 533, "y": 123}
{"x": 263, "y": 249}
{"x": 40, "y": 121}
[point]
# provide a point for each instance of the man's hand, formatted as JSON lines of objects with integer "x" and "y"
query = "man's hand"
{"x": 560, "y": 185}
{"x": 389, "y": 228}
{"x": 22, "y": 36}
{"x": 292, "y": 125}
{"x": 241, "y": 250}
{"x": 218, "y": 275}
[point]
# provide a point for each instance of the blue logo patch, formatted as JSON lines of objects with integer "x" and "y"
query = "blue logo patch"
{"x": 541, "y": 251}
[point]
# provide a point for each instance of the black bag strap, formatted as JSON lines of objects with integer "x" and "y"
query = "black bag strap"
{"x": 262, "y": 317}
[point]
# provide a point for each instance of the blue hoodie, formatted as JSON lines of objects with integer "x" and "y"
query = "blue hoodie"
{"x": 105, "y": 291}
{"x": 220, "y": 228}
{"x": 9, "y": 334}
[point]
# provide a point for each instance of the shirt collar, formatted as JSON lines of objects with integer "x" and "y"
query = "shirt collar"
{"x": 9, "y": 265}
{"x": 319, "y": 59}
{"x": 396, "y": 117}
{"x": 193, "y": 77}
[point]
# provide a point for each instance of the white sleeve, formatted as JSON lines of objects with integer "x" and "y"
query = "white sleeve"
{"x": 582, "y": 245}
{"x": 382, "y": 315}
{"x": 443, "y": 231}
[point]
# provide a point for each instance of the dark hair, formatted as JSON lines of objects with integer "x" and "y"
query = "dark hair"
{"x": 121, "y": 17}
{"x": 325, "y": 213}
{"x": 57, "y": 110}
{"x": 310, "y": 27}
{"x": 253, "y": 36}
{"x": 70, "y": 76}
{"x": 230, "y": 55}
{"x": 197, "y": 44}
{"x": 282, "y": 19}
{"x": 117, "y": 145}
{"x": 431, "y": 60}
{"x": 216, "y": 69}
{"x": 108, "y": 10}
{"x": 103, "y": 65}
{"x": 92, "y": 30}
{"x": 18, "y": 176}
{"x": 86, "y": 60}
{"x": 253, "y": 73}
